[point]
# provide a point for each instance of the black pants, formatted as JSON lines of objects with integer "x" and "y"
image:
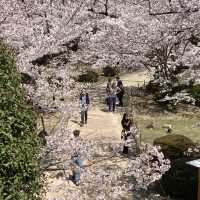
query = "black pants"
{"x": 125, "y": 150}
{"x": 120, "y": 97}
{"x": 84, "y": 116}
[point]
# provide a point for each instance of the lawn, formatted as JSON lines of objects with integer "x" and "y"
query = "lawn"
{"x": 180, "y": 125}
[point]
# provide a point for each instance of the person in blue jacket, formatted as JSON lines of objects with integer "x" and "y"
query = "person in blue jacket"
{"x": 84, "y": 104}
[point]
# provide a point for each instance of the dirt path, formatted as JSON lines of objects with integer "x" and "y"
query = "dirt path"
{"x": 102, "y": 125}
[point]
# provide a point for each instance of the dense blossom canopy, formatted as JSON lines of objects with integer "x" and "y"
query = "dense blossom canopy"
{"x": 64, "y": 33}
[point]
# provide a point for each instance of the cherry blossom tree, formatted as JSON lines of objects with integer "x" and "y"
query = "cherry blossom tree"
{"x": 44, "y": 35}
{"x": 162, "y": 35}
{"x": 51, "y": 37}
{"x": 97, "y": 181}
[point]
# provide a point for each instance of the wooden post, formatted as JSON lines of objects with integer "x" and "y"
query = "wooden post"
{"x": 42, "y": 119}
{"x": 198, "y": 184}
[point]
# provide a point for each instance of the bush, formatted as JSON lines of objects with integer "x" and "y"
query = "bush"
{"x": 195, "y": 93}
{"x": 152, "y": 88}
{"x": 109, "y": 71}
{"x": 19, "y": 143}
{"x": 174, "y": 146}
{"x": 89, "y": 76}
{"x": 181, "y": 180}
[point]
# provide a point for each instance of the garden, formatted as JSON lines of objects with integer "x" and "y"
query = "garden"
{"x": 71, "y": 71}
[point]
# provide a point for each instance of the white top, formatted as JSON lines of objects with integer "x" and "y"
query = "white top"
{"x": 83, "y": 104}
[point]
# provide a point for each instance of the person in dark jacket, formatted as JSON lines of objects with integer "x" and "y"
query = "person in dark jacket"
{"x": 126, "y": 122}
{"x": 126, "y": 134}
{"x": 109, "y": 94}
{"x": 120, "y": 92}
{"x": 84, "y": 104}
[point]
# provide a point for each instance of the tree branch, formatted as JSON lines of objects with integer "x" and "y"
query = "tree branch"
{"x": 171, "y": 11}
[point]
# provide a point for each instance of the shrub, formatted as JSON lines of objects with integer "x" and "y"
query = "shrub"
{"x": 152, "y": 88}
{"x": 181, "y": 180}
{"x": 174, "y": 146}
{"x": 89, "y": 76}
{"x": 19, "y": 143}
{"x": 195, "y": 93}
{"x": 110, "y": 71}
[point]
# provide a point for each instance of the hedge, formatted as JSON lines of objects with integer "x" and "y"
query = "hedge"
{"x": 180, "y": 182}
{"x": 19, "y": 143}
{"x": 110, "y": 71}
{"x": 195, "y": 93}
{"x": 89, "y": 76}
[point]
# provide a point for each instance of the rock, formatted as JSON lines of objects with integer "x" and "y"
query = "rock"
{"x": 27, "y": 79}
{"x": 150, "y": 126}
{"x": 196, "y": 125}
{"x": 168, "y": 128}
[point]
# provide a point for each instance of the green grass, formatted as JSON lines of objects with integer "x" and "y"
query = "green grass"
{"x": 181, "y": 125}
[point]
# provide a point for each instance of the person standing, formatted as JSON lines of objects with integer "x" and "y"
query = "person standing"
{"x": 120, "y": 92}
{"x": 109, "y": 94}
{"x": 84, "y": 104}
{"x": 113, "y": 95}
{"x": 126, "y": 122}
{"x": 126, "y": 135}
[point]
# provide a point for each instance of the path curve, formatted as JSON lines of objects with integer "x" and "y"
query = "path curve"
{"x": 102, "y": 125}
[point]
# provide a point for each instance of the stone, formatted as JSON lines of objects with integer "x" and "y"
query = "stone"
{"x": 196, "y": 125}
{"x": 150, "y": 125}
{"x": 27, "y": 79}
{"x": 168, "y": 128}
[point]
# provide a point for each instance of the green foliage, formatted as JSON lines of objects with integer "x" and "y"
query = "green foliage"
{"x": 195, "y": 93}
{"x": 19, "y": 143}
{"x": 181, "y": 180}
{"x": 174, "y": 145}
{"x": 152, "y": 88}
{"x": 110, "y": 71}
{"x": 89, "y": 76}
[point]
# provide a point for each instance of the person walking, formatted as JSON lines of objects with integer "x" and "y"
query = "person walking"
{"x": 77, "y": 161}
{"x": 76, "y": 176}
{"x": 109, "y": 94}
{"x": 120, "y": 92}
{"x": 84, "y": 104}
{"x": 113, "y": 95}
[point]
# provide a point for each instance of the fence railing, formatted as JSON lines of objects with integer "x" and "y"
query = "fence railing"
{"x": 138, "y": 90}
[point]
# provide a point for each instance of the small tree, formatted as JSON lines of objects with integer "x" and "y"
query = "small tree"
{"x": 19, "y": 142}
